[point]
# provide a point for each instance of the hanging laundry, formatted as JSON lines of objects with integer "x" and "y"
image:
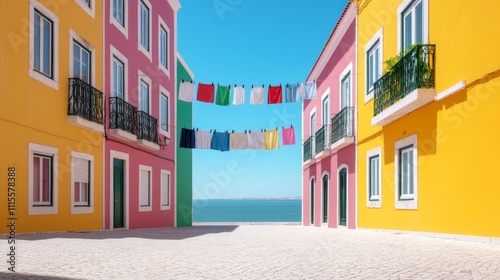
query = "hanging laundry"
{"x": 255, "y": 140}
{"x": 223, "y": 94}
{"x": 287, "y": 135}
{"x": 271, "y": 140}
{"x": 188, "y": 138}
{"x": 292, "y": 93}
{"x": 239, "y": 141}
{"x": 274, "y": 94}
{"x": 257, "y": 95}
{"x": 186, "y": 91}
{"x": 301, "y": 89}
{"x": 203, "y": 139}
{"x": 205, "y": 93}
{"x": 239, "y": 95}
{"x": 220, "y": 141}
{"x": 310, "y": 90}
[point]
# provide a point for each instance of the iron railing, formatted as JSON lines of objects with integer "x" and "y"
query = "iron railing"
{"x": 85, "y": 101}
{"x": 308, "y": 148}
{"x": 343, "y": 124}
{"x": 147, "y": 127}
{"x": 321, "y": 140}
{"x": 414, "y": 70}
{"x": 122, "y": 115}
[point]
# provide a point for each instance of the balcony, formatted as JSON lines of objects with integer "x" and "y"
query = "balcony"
{"x": 308, "y": 151}
{"x": 408, "y": 86}
{"x": 85, "y": 105}
{"x": 322, "y": 143}
{"x": 122, "y": 119}
{"x": 147, "y": 131}
{"x": 342, "y": 129}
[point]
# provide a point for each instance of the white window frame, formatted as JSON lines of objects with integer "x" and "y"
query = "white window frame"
{"x": 73, "y": 36}
{"x": 123, "y": 28}
{"x": 374, "y": 202}
{"x": 162, "y": 191}
{"x": 326, "y": 96}
{"x": 141, "y": 48}
{"x": 410, "y": 201}
{"x": 143, "y": 78}
{"x": 54, "y": 81}
{"x": 89, "y": 10}
{"x": 425, "y": 18}
{"x": 164, "y": 92}
{"x": 312, "y": 130}
{"x": 115, "y": 53}
{"x": 346, "y": 72}
{"x": 78, "y": 208}
{"x": 378, "y": 38}
{"x": 161, "y": 24}
{"x": 143, "y": 208}
{"x": 49, "y": 151}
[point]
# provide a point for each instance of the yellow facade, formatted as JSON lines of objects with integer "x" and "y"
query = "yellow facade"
{"x": 457, "y": 189}
{"x": 34, "y": 111}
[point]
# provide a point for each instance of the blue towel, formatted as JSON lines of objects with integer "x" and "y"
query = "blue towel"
{"x": 220, "y": 141}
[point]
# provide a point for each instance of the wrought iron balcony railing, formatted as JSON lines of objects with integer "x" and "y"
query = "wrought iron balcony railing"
{"x": 147, "y": 127}
{"x": 308, "y": 148}
{"x": 321, "y": 140}
{"x": 85, "y": 101}
{"x": 414, "y": 70}
{"x": 122, "y": 115}
{"x": 343, "y": 124}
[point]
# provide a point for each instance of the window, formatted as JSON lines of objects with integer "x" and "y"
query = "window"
{"x": 81, "y": 62}
{"x": 165, "y": 190}
{"x": 163, "y": 46}
{"x": 118, "y": 78}
{"x": 87, "y": 2}
{"x": 413, "y": 23}
{"x": 43, "y": 44}
{"x": 345, "y": 87}
{"x": 82, "y": 183}
{"x": 42, "y": 179}
{"x": 145, "y": 28}
{"x": 144, "y": 97}
{"x": 406, "y": 173}
{"x": 373, "y": 58}
{"x": 164, "y": 112}
{"x": 87, "y": 6}
{"x": 118, "y": 11}
{"x": 325, "y": 114}
{"x": 374, "y": 177}
{"x": 118, "y": 15}
{"x": 145, "y": 195}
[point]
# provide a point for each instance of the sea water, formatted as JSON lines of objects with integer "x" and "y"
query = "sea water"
{"x": 224, "y": 210}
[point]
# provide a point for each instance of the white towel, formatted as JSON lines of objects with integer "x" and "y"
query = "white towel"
{"x": 255, "y": 140}
{"x": 239, "y": 95}
{"x": 186, "y": 91}
{"x": 239, "y": 141}
{"x": 257, "y": 96}
{"x": 310, "y": 90}
{"x": 203, "y": 139}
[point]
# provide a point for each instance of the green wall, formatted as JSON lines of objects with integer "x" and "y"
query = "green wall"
{"x": 184, "y": 156}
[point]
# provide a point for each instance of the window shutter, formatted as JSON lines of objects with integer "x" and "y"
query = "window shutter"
{"x": 81, "y": 170}
{"x": 144, "y": 188}
{"x": 165, "y": 183}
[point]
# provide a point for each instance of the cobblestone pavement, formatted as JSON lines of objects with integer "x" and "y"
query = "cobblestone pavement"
{"x": 249, "y": 252}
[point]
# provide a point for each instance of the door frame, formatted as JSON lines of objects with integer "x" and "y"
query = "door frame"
{"x": 342, "y": 166}
{"x": 325, "y": 173}
{"x": 125, "y": 157}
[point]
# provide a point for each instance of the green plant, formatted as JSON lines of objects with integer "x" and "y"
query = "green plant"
{"x": 389, "y": 63}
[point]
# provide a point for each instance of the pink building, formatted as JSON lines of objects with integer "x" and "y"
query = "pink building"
{"x": 329, "y": 168}
{"x": 140, "y": 69}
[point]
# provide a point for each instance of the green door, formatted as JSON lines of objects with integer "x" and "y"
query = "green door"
{"x": 118, "y": 194}
{"x": 312, "y": 202}
{"x": 325, "y": 199}
{"x": 343, "y": 196}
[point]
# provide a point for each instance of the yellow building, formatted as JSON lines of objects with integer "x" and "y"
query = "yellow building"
{"x": 428, "y": 128}
{"x": 51, "y": 114}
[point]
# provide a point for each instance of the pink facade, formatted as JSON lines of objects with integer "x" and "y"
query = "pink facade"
{"x": 329, "y": 167}
{"x": 140, "y": 113}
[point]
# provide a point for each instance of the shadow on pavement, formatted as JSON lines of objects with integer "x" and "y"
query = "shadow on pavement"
{"x": 11, "y": 275}
{"x": 178, "y": 233}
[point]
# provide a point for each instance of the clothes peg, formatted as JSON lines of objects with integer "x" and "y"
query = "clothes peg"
{"x": 243, "y": 86}
{"x": 235, "y": 85}
{"x": 182, "y": 80}
{"x": 252, "y": 86}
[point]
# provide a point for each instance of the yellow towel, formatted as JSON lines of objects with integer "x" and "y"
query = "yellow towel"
{"x": 271, "y": 140}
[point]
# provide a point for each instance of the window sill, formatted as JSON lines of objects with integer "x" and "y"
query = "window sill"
{"x": 44, "y": 79}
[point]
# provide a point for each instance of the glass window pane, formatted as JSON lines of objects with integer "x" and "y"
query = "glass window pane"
{"x": 85, "y": 72}
{"x": 407, "y": 31}
{"x": 410, "y": 171}
{"x": 144, "y": 97}
{"x": 47, "y": 48}
{"x": 36, "y": 179}
{"x": 76, "y": 192}
{"x": 84, "y": 192}
{"x": 164, "y": 112}
{"x": 76, "y": 61}
{"x": 376, "y": 64}
{"x": 36, "y": 42}
{"x": 46, "y": 180}
{"x": 419, "y": 23}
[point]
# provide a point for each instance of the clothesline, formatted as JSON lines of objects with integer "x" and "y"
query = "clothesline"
{"x": 225, "y": 141}
{"x": 222, "y": 96}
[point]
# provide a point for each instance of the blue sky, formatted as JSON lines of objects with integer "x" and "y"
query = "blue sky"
{"x": 252, "y": 42}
